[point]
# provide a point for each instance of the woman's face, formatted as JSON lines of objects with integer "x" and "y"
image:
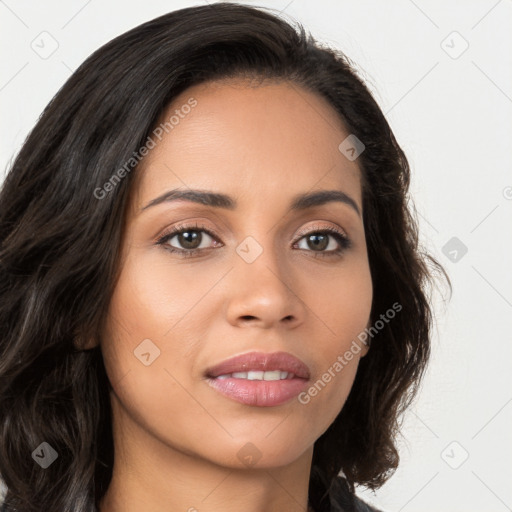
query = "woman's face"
{"x": 265, "y": 280}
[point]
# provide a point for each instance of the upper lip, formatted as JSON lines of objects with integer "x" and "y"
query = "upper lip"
{"x": 261, "y": 361}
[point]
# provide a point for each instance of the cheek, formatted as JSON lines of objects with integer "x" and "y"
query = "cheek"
{"x": 155, "y": 293}
{"x": 139, "y": 316}
{"x": 341, "y": 303}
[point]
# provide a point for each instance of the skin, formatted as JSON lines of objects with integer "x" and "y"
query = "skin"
{"x": 176, "y": 439}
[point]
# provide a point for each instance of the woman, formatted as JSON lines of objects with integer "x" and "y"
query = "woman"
{"x": 213, "y": 296}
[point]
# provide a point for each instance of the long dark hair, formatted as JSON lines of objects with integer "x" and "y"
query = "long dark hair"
{"x": 60, "y": 243}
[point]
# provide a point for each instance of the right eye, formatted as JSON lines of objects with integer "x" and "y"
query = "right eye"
{"x": 189, "y": 237}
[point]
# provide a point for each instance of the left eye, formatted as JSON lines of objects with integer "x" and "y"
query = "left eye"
{"x": 324, "y": 242}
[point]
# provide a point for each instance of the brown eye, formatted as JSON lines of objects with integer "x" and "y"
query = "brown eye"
{"x": 317, "y": 241}
{"x": 326, "y": 242}
{"x": 188, "y": 239}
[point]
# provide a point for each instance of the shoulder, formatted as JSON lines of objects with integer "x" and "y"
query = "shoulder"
{"x": 342, "y": 500}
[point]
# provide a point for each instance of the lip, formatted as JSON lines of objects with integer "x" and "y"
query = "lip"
{"x": 260, "y": 393}
{"x": 261, "y": 361}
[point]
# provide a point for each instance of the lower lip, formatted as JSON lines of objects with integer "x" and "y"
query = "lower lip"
{"x": 260, "y": 393}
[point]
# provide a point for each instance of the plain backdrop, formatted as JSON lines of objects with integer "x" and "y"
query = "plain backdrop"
{"x": 442, "y": 73}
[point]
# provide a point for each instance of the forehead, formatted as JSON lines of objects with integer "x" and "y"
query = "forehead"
{"x": 269, "y": 140}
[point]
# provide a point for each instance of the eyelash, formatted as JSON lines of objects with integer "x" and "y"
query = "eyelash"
{"x": 339, "y": 236}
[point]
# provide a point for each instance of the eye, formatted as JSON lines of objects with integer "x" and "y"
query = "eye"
{"x": 191, "y": 239}
{"x": 326, "y": 241}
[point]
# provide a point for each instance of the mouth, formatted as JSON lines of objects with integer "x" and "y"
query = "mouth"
{"x": 260, "y": 379}
{"x": 253, "y": 363}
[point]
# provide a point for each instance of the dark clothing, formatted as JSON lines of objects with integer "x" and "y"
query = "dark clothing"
{"x": 342, "y": 500}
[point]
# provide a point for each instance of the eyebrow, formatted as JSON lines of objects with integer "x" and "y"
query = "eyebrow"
{"x": 219, "y": 200}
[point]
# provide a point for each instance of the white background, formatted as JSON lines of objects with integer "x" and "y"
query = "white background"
{"x": 453, "y": 118}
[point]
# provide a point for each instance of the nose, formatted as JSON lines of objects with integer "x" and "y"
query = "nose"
{"x": 264, "y": 290}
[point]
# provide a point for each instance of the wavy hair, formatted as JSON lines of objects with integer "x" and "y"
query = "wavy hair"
{"x": 60, "y": 250}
